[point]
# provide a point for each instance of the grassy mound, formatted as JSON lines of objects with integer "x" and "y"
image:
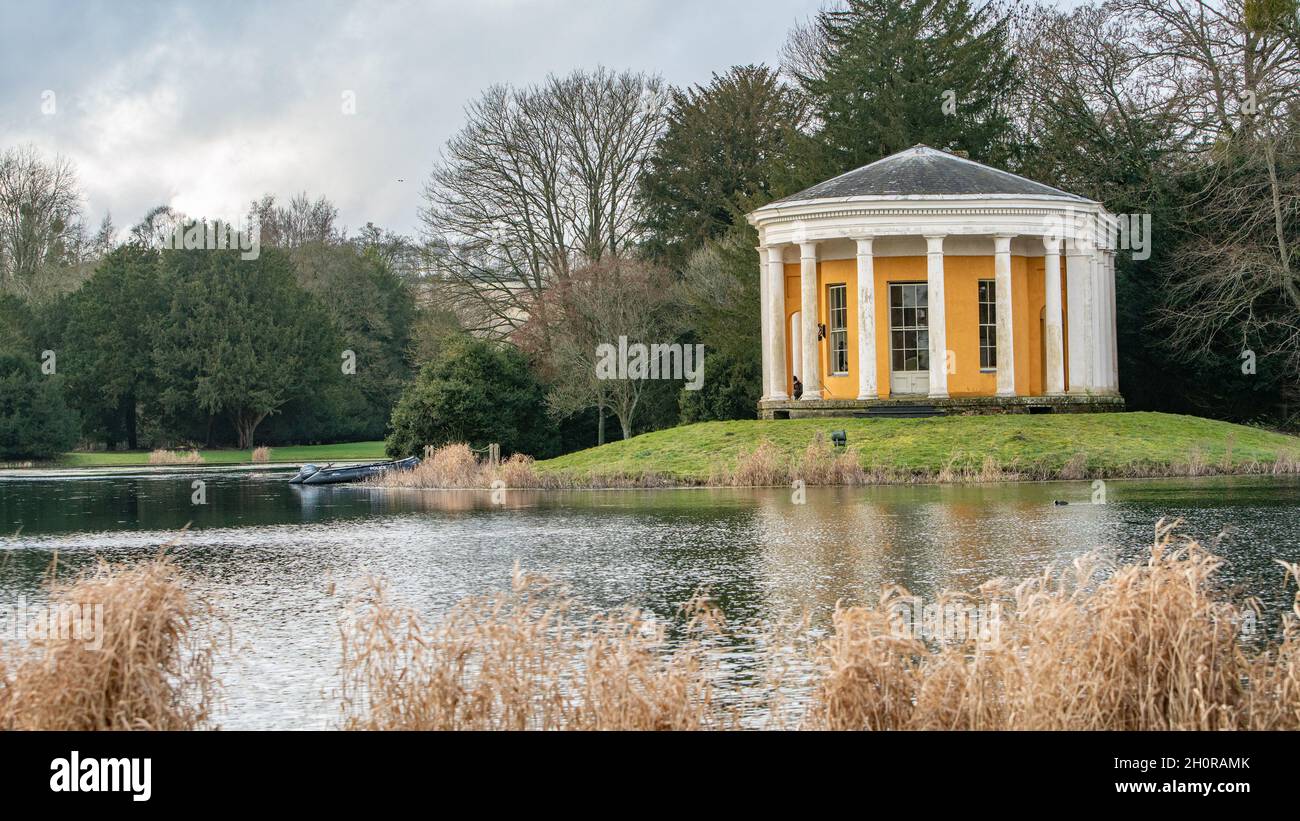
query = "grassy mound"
{"x": 941, "y": 448}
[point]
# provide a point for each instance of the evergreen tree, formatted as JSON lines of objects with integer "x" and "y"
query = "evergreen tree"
{"x": 884, "y": 75}
{"x": 107, "y": 345}
{"x": 715, "y": 158}
{"x": 15, "y": 325}
{"x": 35, "y": 422}
{"x": 240, "y": 338}
{"x": 720, "y": 293}
{"x": 477, "y": 392}
{"x": 373, "y": 311}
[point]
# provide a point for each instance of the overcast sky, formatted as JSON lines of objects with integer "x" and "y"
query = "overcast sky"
{"x": 206, "y": 108}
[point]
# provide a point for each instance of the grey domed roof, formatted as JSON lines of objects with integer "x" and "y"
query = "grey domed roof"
{"x": 922, "y": 171}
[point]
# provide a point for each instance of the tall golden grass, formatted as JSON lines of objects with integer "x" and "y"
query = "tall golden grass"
{"x": 146, "y": 668}
{"x": 261, "y": 454}
{"x": 516, "y": 660}
{"x": 1147, "y": 646}
{"x": 1150, "y": 645}
{"x": 163, "y": 456}
{"x": 455, "y": 466}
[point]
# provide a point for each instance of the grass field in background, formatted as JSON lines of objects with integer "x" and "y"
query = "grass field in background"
{"x": 345, "y": 452}
{"x": 1114, "y": 444}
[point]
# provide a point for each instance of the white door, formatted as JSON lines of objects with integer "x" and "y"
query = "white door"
{"x": 909, "y": 338}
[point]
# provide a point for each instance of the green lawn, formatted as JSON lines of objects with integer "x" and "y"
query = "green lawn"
{"x": 1113, "y": 444}
{"x": 347, "y": 451}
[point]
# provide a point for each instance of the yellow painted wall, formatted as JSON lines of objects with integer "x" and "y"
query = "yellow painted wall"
{"x": 961, "y": 284}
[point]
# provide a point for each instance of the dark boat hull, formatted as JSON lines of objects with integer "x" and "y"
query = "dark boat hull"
{"x": 303, "y": 473}
{"x": 357, "y": 473}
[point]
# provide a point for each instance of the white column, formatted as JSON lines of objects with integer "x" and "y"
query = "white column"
{"x": 867, "y": 384}
{"x": 812, "y": 378}
{"x": 1052, "y": 327}
{"x": 1100, "y": 322}
{"x": 775, "y": 276}
{"x": 1078, "y": 270}
{"x": 764, "y": 325}
{"x": 938, "y": 318}
{"x": 1005, "y": 336}
{"x": 1113, "y": 330}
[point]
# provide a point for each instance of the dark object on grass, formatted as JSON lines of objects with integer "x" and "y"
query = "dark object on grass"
{"x": 839, "y": 438}
{"x": 1059, "y": 502}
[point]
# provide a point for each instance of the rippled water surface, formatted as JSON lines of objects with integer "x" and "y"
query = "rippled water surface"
{"x": 281, "y": 559}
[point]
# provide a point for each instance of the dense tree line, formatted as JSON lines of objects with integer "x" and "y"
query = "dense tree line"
{"x": 311, "y": 341}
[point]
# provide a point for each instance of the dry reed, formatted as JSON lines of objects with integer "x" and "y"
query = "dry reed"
{"x": 126, "y": 657}
{"x": 1152, "y": 645}
{"x": 1145, "y": 646}
{"x": 455, "y": 466}
{"x": 261, "y": 454}
{"x": 163, "y": 456}
{"x": 516, "y": 660}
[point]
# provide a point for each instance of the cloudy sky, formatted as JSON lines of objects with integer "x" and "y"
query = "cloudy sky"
{"x": 205, "y": 108}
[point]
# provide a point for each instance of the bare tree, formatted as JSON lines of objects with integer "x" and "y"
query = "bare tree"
{"x": 1235, "y": 279}
{"x": 1088, "y": 67}
{"x": 41, "y": 232}
{"x": 158, "y": 226}
{"x": 301, "y": 222}
{"x": 597, "y": 305}
{"x": 609, "y": 124}
{"x": 1234, "y": 62}
{"x": 539, "y": 181}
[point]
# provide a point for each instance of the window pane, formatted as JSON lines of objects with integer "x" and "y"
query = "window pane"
{"x": 898, "y": 359}
{"x": 923, "y": 360}
{"x": 837, "y": 307}
{"x": 897, "y": 319}
{"x": 923, "y": 340}
{"x": 921, "y": 318}
{"x": 922, "y": 296}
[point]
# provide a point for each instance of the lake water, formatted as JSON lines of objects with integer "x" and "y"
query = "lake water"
{"x": 281, "y": 560}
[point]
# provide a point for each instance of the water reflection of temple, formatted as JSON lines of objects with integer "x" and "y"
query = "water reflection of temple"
{"x": 844, "y": 544}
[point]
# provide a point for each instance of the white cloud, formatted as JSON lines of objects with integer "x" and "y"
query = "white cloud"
{"x": 207, "y": 110}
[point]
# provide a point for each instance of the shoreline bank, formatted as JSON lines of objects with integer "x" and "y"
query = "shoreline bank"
{"x": 948, "y": 450}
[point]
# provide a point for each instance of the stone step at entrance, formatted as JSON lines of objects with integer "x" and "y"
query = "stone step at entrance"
{"x": 900, "y": 412}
